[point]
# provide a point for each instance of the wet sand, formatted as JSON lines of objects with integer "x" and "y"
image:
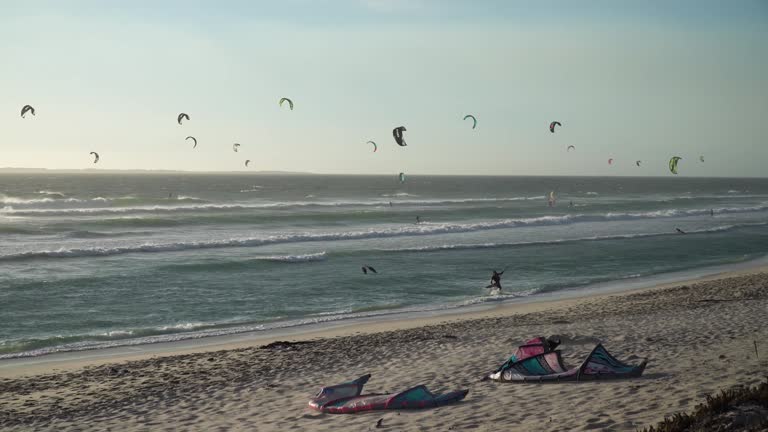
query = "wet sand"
{"x": 697, "y": 336}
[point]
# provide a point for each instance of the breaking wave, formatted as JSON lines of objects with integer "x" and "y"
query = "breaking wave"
{"x": 319, "y": 256}
{"x": 400, "y": 231}
{"x": 95, "y": 211}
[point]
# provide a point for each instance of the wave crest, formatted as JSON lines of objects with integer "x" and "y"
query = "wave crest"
{"x": 312, "y": 237}
{"x": 319, "y": 256}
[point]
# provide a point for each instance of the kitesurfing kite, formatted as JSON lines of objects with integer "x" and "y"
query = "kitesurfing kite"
{"x": 367, "y": 268}
{"x": 182, "y": 116}
{"x": 247, "y": 162}
{"x": 96, "y": 157}
{"x": 401, "y": 177}
{"x": 374, "y": 146}
{"x": 474, "y": 120}
{"x": 290, "y": 103}
{"x": 398, "y": 134}
{"x": 610, "y": 161}
{"x": 346, "y": 398}
{"x": 552, "y": 126}
{"x": 539, "y": 361}
{"x": 193, "y": 140}
{"x": 571, "y": 147}
{"x": 27, "y": 108}
{"x": 235, "y": 146}
{"x": 637, "y": 163}
{"x": 673, "y": 164}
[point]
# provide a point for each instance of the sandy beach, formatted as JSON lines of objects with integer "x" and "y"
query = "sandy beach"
{"x": 697, "y": 336}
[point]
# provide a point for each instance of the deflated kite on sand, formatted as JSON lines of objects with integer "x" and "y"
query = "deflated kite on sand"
{"x": 545, "y": 364}
{"x": 346, "y": 398}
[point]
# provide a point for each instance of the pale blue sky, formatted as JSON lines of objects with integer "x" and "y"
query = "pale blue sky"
{"x": 628, "y": 80}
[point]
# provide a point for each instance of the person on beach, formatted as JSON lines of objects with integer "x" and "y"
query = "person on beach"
{"x": 496, "y": 280}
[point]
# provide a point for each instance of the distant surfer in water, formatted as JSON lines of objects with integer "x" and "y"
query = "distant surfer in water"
{"x": 680, "y": 231}
{"x": 496, "y": 280}
{"x": 711, "y": 212}
{"x": 418, "y": 219}
{"x": 368, "y": 268}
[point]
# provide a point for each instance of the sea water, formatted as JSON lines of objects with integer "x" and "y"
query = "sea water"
{"x": 96, "y": 260}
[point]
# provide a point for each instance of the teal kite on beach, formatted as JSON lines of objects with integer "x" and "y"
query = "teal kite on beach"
{"x": 545, "y": 364}
{"x": 346, "y": 398}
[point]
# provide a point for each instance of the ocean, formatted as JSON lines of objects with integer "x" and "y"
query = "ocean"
{"x": 100, "y": 260}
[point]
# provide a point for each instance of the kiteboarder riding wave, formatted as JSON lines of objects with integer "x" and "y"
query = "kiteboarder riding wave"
{"x": 496, "y": 280}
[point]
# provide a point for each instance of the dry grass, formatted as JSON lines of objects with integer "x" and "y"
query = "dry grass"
{"x": 738, "y": 409}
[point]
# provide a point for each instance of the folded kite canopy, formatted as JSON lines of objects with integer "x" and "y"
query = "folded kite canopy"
{"x": 346, "y": 399}
{"x": 549, "y": 366}
{"x": 530, "y": 348}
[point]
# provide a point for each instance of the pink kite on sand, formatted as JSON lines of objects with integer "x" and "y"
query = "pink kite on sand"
{"x": 346, "y": 398}
{"x": 538, "y": 361}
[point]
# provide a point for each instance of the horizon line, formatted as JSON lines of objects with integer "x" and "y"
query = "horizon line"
{"x": 93, "y": 171}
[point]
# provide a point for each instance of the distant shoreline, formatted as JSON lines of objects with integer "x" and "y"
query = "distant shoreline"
{"x": 395, "y": 319}
{"x": 140, "y": 171}
{"x": 716, "y": 320}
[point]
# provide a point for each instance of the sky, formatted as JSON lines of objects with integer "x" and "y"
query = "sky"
{"x": 628, "y": 80}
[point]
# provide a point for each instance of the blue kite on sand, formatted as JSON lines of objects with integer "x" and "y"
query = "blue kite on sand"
{"x": 346, "y": 398}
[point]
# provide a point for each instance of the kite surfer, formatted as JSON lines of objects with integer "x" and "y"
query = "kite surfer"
{"x": 496, "y": 280}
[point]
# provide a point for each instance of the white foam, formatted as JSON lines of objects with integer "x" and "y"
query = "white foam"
{"x": 239, "y": 206}
{"x": 410, "y": 230}
{"x": 319, "y": 256}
